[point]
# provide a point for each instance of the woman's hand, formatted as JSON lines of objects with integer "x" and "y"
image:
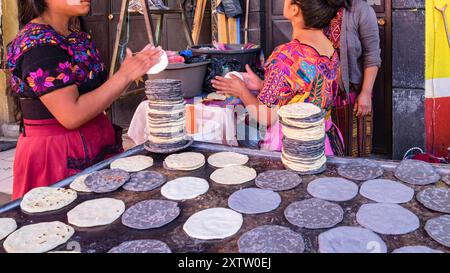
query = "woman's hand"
{"x": 234, "y": 87}
{"x": 363, "y": 104}
{"x": 252, "y": 81}
{"x": 135, "y": 66}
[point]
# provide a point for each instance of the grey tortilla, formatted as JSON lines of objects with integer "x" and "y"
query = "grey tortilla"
{"x": 141, "y": 246}
{"x": 361, "y": 170}
{"x": 416, "y": 249}
{"x": 347, "y": 239}
{"x": 151, "y": 214}
{"x": 254, "y": 201}
{"x": 386, "y": 191}
{"x": 145, "y": 181}
{"x": 437, "y": 199}
{"x": 388, "y": 219}
{"x": 333, "y": 189}
{"x": 106, "y": 180}
{"x": 417, "y": 172}
{"x": 278, "y": 180}
{"x": 271, "y": 239}
{"x": 439, "y": 229}
{"x": 314, "y": 214}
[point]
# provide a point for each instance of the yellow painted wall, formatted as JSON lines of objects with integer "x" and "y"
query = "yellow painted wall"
{"x": 10, "y": 28}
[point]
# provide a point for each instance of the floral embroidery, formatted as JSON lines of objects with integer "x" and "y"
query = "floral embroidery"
{"x": 296, "y": 72}
{"x": 40, "y": 81}
{"x": 83, "y": 65}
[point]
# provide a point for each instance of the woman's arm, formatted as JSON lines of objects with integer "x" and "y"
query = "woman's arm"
{"x": 258, "y": 111}
{"x": 73, "y": 110}
{"x": 363, "y": 104}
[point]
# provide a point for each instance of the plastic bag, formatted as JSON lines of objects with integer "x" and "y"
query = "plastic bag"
{"x": 232, "y": 8}
{"x": 219, "y": 67}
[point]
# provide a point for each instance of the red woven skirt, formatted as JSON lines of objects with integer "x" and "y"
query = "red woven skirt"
{"x": 47, "y": 152}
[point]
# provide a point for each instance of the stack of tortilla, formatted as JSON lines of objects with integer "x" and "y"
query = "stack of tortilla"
{"x": 303, "y": 128}
{"x": 166, "y": 115}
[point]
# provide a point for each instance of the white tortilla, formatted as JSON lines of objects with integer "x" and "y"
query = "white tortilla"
{"x": 234, "y": 73}
{"x": 216, "y": 96}
{"x": 299, "y": 110}
{"x": 185, "y": 188}
{"x": 38, "y": 238}
{"x": 133, "y": 164}
{"x": 214, "y": 223}
{"x": 227, "y": 159}
{"x": 185, "y": 161}
{"x": 97, "y": 212}
{"x": 47, "y": 199}
{"x": 161, "y": 66}
{"x": 234, "y": 175}
{"x": 386, "y": 191}
{"x": 79, "y": 185}
{"x": 7, "y": 226}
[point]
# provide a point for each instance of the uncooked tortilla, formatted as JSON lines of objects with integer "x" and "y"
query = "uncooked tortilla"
{"x": 227, "y": 159}
{"x": 386, "y": 191}
{"x": 278, "y": 180}
{"x": 145, "y": 181}
{"x": 47, "y": 199}
{"x": 416, "y": 172}
{"x": 97, "y": 212}
{"x": 314, "y": 214}
{"x": 79, "y": 185}
{"x": 389, "y": 219}
{"x": 185, "y": 161}
{"x": 7, "y": 226}
{"x": 299, "y": 110}
{"x": 185, "y": 188}
{"x": 214, "y": 223}
{"x": 160, "y": 66}
{"x": 437, "y": 199}
{"x": 271, "y": 239}
{"x": 216, "y": 96}
{"x": 333, "y": 189}
{"x": 38, "y": 238}
{"x": 106, "y": 181}
{"x": 150, "y": 214}
{"x": 416, "y": 249}
{"x": 351, "y": 240}
{"x": 361, "y": 170}
{"x": 439, "y": 229}
{"x": 133, "y": 164}
{"x": 254, "y": 201}
{"x": 234, "y": 175}
{"x": 141, "y": 246}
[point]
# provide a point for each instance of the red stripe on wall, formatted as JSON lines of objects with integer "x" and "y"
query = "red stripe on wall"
{"x": 437, "y": 124}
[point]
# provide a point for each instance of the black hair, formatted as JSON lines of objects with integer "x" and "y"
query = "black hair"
{"x": 30, "y": 9}
{"x": 319, "y": 13}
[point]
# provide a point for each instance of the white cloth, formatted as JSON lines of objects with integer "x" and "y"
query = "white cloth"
{"x": 215, "y": 125}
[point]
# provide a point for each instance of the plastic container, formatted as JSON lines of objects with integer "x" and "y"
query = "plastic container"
{"x": 190, "y": 75}
{"x": 244, "y": 56}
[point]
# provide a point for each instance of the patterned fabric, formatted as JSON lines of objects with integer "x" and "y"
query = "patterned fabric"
{"x": 41, "y": 60}
{"x": 333, "y": 31}
{"x": 296, "y": 72}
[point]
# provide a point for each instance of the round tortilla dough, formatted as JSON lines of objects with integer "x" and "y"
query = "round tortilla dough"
{"x": 234, "y": 175}
{"x": 234, "y": 73}
{"x": 145, "y": 181}
{"x": 185, "y": 161}
{"x": 416, "y": 172}
{"x": 227, "y": 159}
{"x": 141, "y": 246}
{"x": 299, "y": 110}
{"x": 97, "y": 212}
{"x": 150, "y": 214}
{"x": 437, "y": 199}
{"x": 254, "y": 201}
{"x": 314, "y": 214}
{"x": 214, "y": 223}
{"x": 105, "y": 181}
{"x": 7, "y": 226}
{"x": 79, "y": 185}
{"x": 161, "y": 66}
{"x": 38, "y": 238}
{"x": 271, "y": 239}
{"x": 185, "y": 188}
{"x": 351, "y": 240}
{"x": 386, "y": 191}
{"x": 361, "y": 170}
{"x": 278, "y": 180}
{"x": 47, "y": 199}
{"x": 133, "y": 164}
{"x": 439, "y": 229}
{"x": 389, "y": 219}
{"x": 416, "y": 249}
{"x": 333, "y": 189}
